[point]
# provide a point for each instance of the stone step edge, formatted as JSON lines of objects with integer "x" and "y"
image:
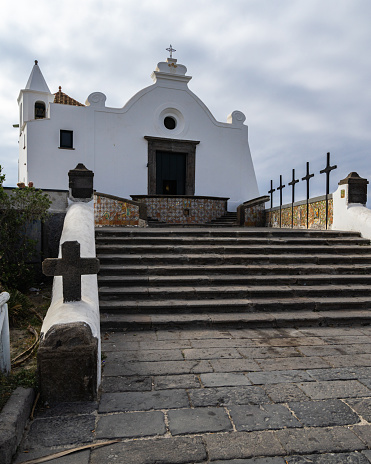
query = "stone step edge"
{"x": 234, "y": 305}
{"x": 191, "y": 321}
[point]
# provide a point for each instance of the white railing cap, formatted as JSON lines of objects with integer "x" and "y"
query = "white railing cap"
{"x": 4, "y": 297}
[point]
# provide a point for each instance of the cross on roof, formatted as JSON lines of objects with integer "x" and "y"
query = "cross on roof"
{"x": 171, "y": 50}
{"x": 71, "y": 267}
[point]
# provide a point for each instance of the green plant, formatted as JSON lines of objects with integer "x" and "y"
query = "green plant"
{"x": 18, "y": 210}
{"x": 8, "y": 383}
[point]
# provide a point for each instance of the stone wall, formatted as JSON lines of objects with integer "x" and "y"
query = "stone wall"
{"x": 316, "y": 219}
{"x": 184, "y": 209}
{"x": 114, "y": 211}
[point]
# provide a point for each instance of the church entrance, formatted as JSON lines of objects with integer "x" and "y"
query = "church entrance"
{"x": 171, "y": 166}
{"x": 170, "y": 173}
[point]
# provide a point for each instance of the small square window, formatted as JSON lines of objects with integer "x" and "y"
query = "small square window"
{"x": 66, "y": 139}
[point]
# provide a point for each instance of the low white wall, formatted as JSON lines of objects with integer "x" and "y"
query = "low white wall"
{"x": 78, "y": 225}
{"x": 353, "y": 216}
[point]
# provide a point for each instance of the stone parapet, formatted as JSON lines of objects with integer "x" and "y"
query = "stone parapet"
{"x": 183, "y": 209}
{"x": 110, "y": 210}
{"x": 296, "y": 216}
{"x": 252, "y": 213}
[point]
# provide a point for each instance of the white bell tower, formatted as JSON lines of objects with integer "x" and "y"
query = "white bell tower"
{"x": 33, "y": 102}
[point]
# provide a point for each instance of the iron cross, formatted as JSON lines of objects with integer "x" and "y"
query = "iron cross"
{"x": 292, "y": 183}
{"x": 271, "y": 193}
{"x": 307, "y": 178}
{"x": 71, "y": 267}
{"x": 327, "y": 170}
{"x": 171, "y": 50}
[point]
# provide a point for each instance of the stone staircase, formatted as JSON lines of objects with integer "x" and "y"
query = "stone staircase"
{"x": 232, "y": 277}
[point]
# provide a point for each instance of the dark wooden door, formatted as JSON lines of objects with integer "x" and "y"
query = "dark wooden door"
{"x": 170, "y": 173}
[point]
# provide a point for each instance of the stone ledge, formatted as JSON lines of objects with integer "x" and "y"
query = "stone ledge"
{"x": 13, "y": 419}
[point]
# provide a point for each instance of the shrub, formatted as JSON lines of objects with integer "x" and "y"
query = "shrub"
{"x": 18, "y": 209}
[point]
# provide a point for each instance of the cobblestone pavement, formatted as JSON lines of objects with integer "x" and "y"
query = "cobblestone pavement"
{"x": 262, "y": 396}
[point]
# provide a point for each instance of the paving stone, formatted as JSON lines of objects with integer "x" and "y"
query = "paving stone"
{"x": 145, "y": 355}
{"x": 335, "y": 389}
{"x": 340, "y": 340}
{"x": 211, "y": 353}
{"x": 366, "y": 382}
{"x": 285, "y": 392}
{"x": 332, "y": 331}
{"x": 228, "y": 379}
{"x": 293, "y": 341}
{"x": 332, "y": 373}
{"x": 129, "y": 425}
{"x": 191, "y": 334}
{"x": 318, "y": 440}
{"x": 58, "y": 431}
{"x": 122, "y": 337}
{"x": 120, "y": 346}
{"x": 163, "y": 382}
{"x": 143, "y": 401}
{"x": 178, "y": 450}
{"x": 248, "y": 418}
{"x": 228, "y": 395}
{"x": 81, "y": 457}
{"x": 275, "y": 460}
{"x": 362, "y": 406}
{"x": 349, "y": 360}
{"x": 269, "y": 352}
{"x": 333, "y": 350}
{"x": 272, "y": 377}
{"x": 121, "y": 383}
{"x": 234, "y": 365}
{"x": 222, "y": 343}
{"x": 265, "y": 333}
{"x": 68, "y": 409}
{"x": 364, "y": 433}
{"x": 367, "y": 453}
{"x": 328, "y": 458}
{"x": 157, "y": 368}
{"x": 198, "y": 420}
{"x": 242, "y": 445}
{"x": 302, "y": 362}
{"x": 324, "y": 413}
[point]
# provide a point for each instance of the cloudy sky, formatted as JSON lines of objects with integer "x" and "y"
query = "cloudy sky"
{"x": 299, "y": 69}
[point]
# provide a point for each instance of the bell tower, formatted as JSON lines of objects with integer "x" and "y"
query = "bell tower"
{"x": 33, "y": 103}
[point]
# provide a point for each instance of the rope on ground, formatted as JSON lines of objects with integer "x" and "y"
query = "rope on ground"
{"x": 17, "y": 360}
{"x": 69, "y": 451}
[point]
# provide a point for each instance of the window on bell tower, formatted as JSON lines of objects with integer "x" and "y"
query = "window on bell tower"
{"x": 40, "y": 110}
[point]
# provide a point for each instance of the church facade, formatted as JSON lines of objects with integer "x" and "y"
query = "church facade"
{"x": 163, "y": 142}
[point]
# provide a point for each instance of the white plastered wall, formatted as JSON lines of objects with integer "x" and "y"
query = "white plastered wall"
{"x": 353, "y": 216}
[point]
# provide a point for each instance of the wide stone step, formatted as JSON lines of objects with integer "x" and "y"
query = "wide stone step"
{"x": 114, "y": 321}
{"x": 178, "y": 306}
{"x": 219, "y": 232}
{"x": 228, "y": 280}
{"x": 263, "y": 241}
{"x": 232, "y": 249}
{"x": 232, "y": 269}
{"x": 166, "y": 258}
{"x": 232, "y": 292}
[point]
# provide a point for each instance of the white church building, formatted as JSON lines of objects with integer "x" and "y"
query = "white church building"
{"x": 163, "y": 141}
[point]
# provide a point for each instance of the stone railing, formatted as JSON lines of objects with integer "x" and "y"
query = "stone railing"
{"x": 296, "y": 215}
{"x": 4, "y": 334}
{"x": 183, "y": 209}
{"x": 110, "y": 210}
{"x": 69, "y": 356}
{"x": 251, "y": 213}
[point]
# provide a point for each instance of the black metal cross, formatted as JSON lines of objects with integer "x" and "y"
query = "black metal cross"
{"x": 292, "y": 183}
{"x": 171, "y": 50}
{"x": 271, "y": 193}
{"x": 307, "y": 178}
{"x": 280, "y": 189}
{"x": 327, "y": 171}
{"x": 71, "y": 267}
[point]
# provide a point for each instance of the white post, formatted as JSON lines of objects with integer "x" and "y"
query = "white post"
{"x": 4, "y": 334}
